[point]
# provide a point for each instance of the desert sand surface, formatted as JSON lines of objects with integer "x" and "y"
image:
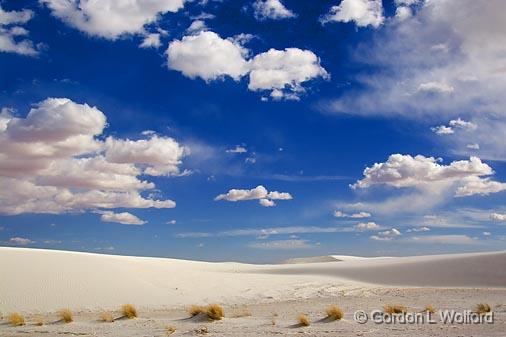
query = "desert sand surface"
{"x": 259, "y": 300}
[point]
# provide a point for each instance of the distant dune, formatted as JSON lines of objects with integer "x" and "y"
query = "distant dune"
{"x": 34, "y": 279}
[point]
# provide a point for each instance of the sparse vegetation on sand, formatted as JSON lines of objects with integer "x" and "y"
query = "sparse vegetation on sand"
{"x": 169, "y": 330}
{"x": 395, "y": 309}
{"x": 128, "y": 311}
{"x": 335, "y": 313}
{"x": 66, "y": 316}
{"x": 303, "y": 320}
{"x": 16, "y": 319}
{"x": 212, "y": 311}
{"x": 482, "y": 308}
{"x": 215, "y": 312}
{"x": 430, "y": 309}
{"x": 106, "y": 317}
{"x": 202, "y": 330}
{"x": 194, "y": 310}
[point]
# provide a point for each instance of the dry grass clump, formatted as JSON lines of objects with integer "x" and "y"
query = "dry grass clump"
{"x": 215, "y": 312}
{"x": 482, "y": 308}
{"x": 335, "y": 313}
{"x": 16, "y": 319}
{"x": 128, "y": 311}
{"x": 303, "y": 320}
{"x": 194, "y": 310}
{"x": 169, "y": 330}
{"x": 395, "y": 309}
{"x": 430, "y": 309}
{"x": 106, "y": 317}
{"x": 66, "y": 316}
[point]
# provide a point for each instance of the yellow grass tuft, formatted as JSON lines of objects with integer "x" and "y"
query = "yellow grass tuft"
{"x": 482, "y": 308}
{"x": 16, "y": 319}
{"x": 395, "y": 309}
{"x": 129, "y": 311}
{"x": 194, "y": 310}
{"x": 215, "y": 312}
{"x": 430, "y": 309}
{"x": 169, "y": 330}
{"x": 335, "y": 313}
{"x": 303, "y": 320}
{"x": 38, "y": 321}
{"x": 273, "y": 322}
{"x": 66, "y": 316}
{"x": 106, "y": 317}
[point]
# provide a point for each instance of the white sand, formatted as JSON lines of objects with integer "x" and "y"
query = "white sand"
{"x": 44, "y": 280}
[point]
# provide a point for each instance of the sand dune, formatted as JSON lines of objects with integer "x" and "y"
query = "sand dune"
{"x": 45, "y": 280}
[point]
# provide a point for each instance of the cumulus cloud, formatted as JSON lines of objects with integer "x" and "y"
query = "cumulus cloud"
{"x": 211, "y": 57}
{"x": 237, "y": 149}
{"x": 124, "y": 218}
{"x": 259, "y": 193}
{"x": 367, "y": 226}
{"x": 480, "y": 186}
{"x": 386, "y": 235}
{"x": 151, "y": 41}
{"x": 363, "y": 12}
{"x": 498, "y": 217}
{"x": 111, "y": 19}
{"x": 52, "y": 161}
{"x": 358, "y": 215}
{"x": 418, "y": 229}
{"x": 271, "y": 9}
{"x": 208, "y": 56}
{"x": 443, "y": 130}
{"x": 13, "y": 35}
{"x": 454, "y": 125}
{"x": 283, "y": 71}
{"x": 19, "y": 241}
{"x": 436, "y": 88}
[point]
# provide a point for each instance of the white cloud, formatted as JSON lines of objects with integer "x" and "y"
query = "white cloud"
{"x": 498, "y": 217}
{"x": 443, "y": 130}
{"x": 486, "y": 233}
{"x": 267, "y": 203}
{"x": 386, "y": 235}
{"x": 363, "y": 12}
{"x": 258, "y": 193}
{"x": 418, "y": 229}
{"x": 124, "y": 218}
{"x": 12, "y": 34}
{"x": 436, "y": 88}
{"x": 457, "y": 46}
{"x": 402, "y": 13}
{"x": 474, "y": 146}
{"x": 367, "y": 226}
{"x": 196, "y": 26}
{"x": 281, "y": 244}
{"x": 151, "y": 41}
{"x": 20, "y": 241}
{"x": 111, "y": 19}
{"x": 171, "y": 222}
{"x": 462, "y": 124}
{"x": 407, "y": 2}
{"x": 407, "y": 171}
{"x": 443, "y": 239}
{"x": 359, "y": 215}
{"x": 208, "y": 56}
{"x": 283, "y": 71}
{"x": 51, "y": 161}
{"x": 161, "y": 155}
{"x": 271, "y": 9}
{"x": 480, "y": 186}
{"x": 237, "y": 149}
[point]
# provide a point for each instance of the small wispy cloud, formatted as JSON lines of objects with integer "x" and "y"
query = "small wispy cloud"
{"x": 282, "y": 244}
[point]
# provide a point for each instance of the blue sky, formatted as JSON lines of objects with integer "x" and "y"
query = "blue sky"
{"x": 253, "y": 130}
